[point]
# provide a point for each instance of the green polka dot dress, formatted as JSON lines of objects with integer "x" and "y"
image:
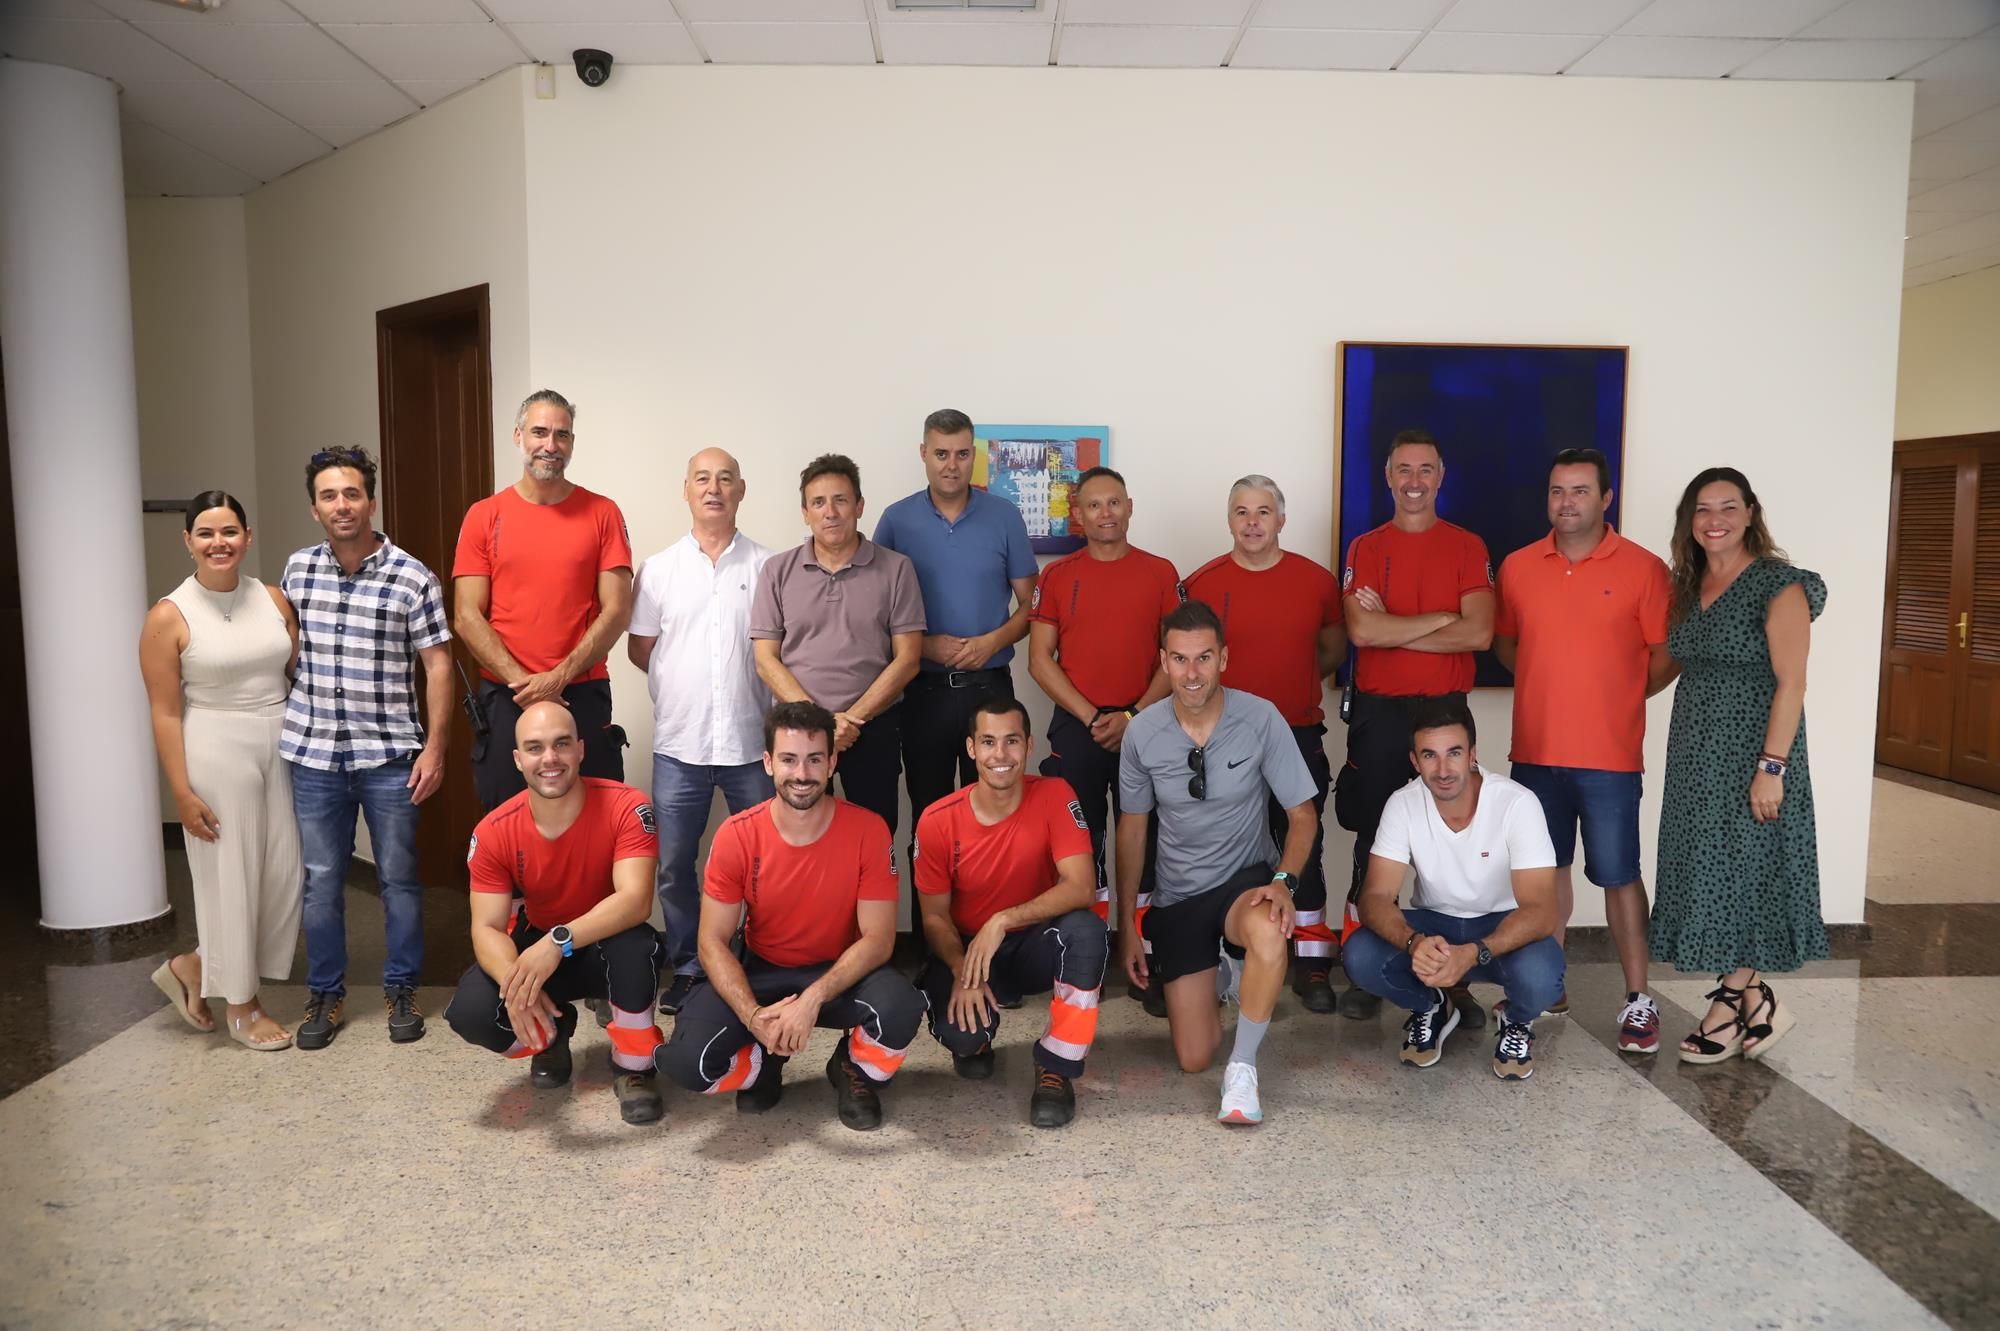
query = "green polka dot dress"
{"x": 1730, "y": 891}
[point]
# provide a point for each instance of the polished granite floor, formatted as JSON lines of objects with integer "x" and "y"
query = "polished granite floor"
{"x": 161, "y": 1178}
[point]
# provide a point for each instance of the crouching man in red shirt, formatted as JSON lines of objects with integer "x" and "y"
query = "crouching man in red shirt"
{"x": 580, "y": 850}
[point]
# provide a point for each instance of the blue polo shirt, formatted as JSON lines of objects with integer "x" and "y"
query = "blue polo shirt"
{"x": 964, "y": 568}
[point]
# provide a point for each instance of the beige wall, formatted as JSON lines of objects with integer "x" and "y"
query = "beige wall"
{"x": 191, "y": 351}
{"x": 790, "y": 260}
{"x": 1948, "y": 374}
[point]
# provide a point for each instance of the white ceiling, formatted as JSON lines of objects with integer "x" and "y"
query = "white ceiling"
{"x": 217, "y": 103}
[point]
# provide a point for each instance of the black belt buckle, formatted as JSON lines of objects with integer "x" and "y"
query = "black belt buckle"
{"x": 964, "y": 679}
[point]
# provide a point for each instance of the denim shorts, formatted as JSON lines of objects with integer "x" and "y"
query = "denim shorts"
{"x": 1606, "y": 803}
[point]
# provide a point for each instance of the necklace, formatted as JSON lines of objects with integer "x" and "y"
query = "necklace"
{"x": 215, "y": 598}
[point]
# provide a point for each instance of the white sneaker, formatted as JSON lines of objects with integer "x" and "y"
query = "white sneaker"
{"x": 1239, "y": 1095}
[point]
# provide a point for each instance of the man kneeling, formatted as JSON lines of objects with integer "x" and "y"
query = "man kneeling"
{"x": 814, "y": 880}
{"x": 1484, "y": 907}
{"x": 1005, "y": 878}
{"x": 581, "y": 852}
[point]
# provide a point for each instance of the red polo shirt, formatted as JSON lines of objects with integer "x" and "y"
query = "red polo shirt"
{"x": 1271, "y": 621}
{"x": 1107, "y": 614}
{"x": 989, "y": 869}
{"x": 1415, "y": 573}
{"x": 1585, "y": 633}
{"x": 801, "y": 898}
{"x": 542, "y": 562}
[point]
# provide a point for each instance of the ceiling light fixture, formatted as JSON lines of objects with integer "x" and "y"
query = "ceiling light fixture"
{"x": 197, "y": 6}
{"x": 948, "y": 4}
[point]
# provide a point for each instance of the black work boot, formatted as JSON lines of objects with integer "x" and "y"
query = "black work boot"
{"x": 321, "y": 1022}
{"x": 860, "y": 1107}
{"x": 974, "y": 1067}
{"x": 1312, "y": 981}
{"x": 1054, "y": 1102}
{"x": 551, "y": 1068}
{"x": 638, "y": 1096}
{"x": 767, "y": 1090}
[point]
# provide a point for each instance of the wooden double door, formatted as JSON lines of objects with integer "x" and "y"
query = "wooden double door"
{"x": 1939, "y": 708}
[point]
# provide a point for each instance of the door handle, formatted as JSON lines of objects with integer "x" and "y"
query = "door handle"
{"x": 1964, "y": 621}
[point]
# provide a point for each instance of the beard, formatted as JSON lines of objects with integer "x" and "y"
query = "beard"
{"x": 546, "y": 469}
{"x": 801, "y": 800}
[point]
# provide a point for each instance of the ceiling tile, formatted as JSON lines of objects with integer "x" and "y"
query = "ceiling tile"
{"x": 1918, "y": 224}
{"x": 1728, "y": 18}
{"x": 1942, "y": 159}
{"x": 236, "y": 11}
{"x": 183, "y": 105}
{"x": 887, "y": 15}
{"x": 1955, "y": 267}
{"x": 264, "y": 151}
{"x": 582, "y": 11}
{"x": 1943, "y": 242}
{"x": 364, "y": 103}
{"x": 1538, "y": 16}
{"x": 786, "y": 43}
{"x": 1961, "y": 196}
{"x": 1497, "y": 53}
{"x": 773, "y": 11}
{"x": 158, "y": 163}
{"x": 1398, "y": 15}
{"x": 430, "y": 50}
{"x": 24, "y": 10}
{"x": 105, "y": 47}
{"x": 1669, "y": 57}
{"x": 342, "y": 135}
{"x": 429, "y": 92}
{"x": 629, "y": 43}
{"x": 1906, "y": 18}
{"x": 1169, "y": 13}
{"x": 391, "y": 11}
{"x": 906, "y": 43}
{"x": 1985, "y": 125}
{"x": 1321, "y": 48}
{"x": 1840, "y": 59}
{"x": 1975, "y": 60}
{"x": 1175, "y": 48}
{"x": 1940, "y": 105}
{"x": 260, "y": 51}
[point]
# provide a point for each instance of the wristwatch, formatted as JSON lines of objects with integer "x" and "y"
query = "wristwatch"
{"x": 1485, "y": 957}
{"x": 1291, "y": 883}
{"x": 560, "y": 936}
{"x": 1771, "y": 766}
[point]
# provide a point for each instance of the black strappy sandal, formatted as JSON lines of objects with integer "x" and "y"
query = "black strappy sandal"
{"x": 1777, "y": 1020}
{"x": 1707, "y": 1048}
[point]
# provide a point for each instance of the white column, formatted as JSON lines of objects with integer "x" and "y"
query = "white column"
{"x": 73, "y": 435}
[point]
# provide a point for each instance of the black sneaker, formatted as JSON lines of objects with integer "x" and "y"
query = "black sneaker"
{"x": 1054, "y": 1102}
{"x": 1313, "y": 983}
{"x": 1360, "y": 1005}
{"x": 550, "y": 1068}
{"x": 767, "y": 1090}
{"x": 1424, "y": 1032}
{"x": 638, "y": 1096}
{"x": 601, "y": 1008}
{"x": 860, "y": 1107}
{"x": 677, "y": 993}
{"x": 974, "y": 1067}
{"x": 322, "y": 1021}
{"x": 1514, "y": 1051}
{"x": 1007, "y": 1002}
{"x": 406, "y": 1019}
{"x": 1470, "y": 1014}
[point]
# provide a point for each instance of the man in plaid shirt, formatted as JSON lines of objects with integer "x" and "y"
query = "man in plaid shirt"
{"x": 353, "y": 737}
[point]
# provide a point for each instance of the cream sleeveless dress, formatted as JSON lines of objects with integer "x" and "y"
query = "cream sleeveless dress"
{"x": 248, "y": 882}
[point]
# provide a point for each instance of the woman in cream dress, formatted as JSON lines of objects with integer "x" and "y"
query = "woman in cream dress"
{"x": 215, "y": 654}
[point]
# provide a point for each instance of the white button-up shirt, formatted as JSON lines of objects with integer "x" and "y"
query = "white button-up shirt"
{"x": 708, "y": 704}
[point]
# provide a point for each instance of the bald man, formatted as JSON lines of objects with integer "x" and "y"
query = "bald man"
{"x": 691, "y": 635}
{"x": 580, "y": 851}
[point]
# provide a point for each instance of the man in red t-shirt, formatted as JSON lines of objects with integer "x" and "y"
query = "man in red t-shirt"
{"x": 1419, "y": 602}
{"x": 542, "y": 587}
{"x": 1094, "y": 647}
{"x": 1282, "y": 614}
{"x": 580, "y": 851}
{"x": 813, "y": 880}
{"x": 1005, "y": 881}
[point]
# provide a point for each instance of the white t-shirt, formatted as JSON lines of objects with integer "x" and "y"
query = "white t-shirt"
{"x": 708, "y": 704}
{"x": 1469, "y": 873}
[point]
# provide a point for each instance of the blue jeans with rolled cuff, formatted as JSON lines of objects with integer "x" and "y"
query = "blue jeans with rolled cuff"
{"x": 1532, "y": 976}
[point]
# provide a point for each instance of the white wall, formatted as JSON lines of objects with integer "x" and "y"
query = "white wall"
{"x": 191, "y": 351}
{"x": 785, "y": 261}
{"x": 1948, "y": 375}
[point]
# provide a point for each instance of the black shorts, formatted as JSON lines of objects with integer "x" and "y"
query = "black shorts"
{"x": 1185, "y": 935}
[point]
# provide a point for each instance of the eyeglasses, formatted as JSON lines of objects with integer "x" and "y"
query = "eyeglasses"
{"x": 328, "y": 456}
{"x": 1198, "y": 764}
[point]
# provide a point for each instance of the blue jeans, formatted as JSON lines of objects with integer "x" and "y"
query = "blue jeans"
{"x": 682, "y": 793}
{"x": 1531, "y": 975}
{"x": 326, "y": 803}
{"x": 1606, "y": 804}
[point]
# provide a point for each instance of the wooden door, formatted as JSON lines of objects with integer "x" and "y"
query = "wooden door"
{"x": 1975, "y": 739}
{"x": 434, "y": 369}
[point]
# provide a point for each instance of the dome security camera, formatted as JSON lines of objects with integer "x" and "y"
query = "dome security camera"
{"x": 593, "y": 67}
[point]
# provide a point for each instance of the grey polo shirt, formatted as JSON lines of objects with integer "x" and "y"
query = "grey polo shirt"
{"x": 835, "y": 630}
{"x": 1249, "y": 759}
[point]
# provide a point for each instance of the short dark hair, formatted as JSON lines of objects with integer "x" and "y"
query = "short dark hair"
{"x": 208, "y": 499}
{"x": 948, "y": 421}
{"x": 998, "y": 704}
{"x": 1191, "y": 617}
{"x": 352, "y": 459}
{"x": 1590, "y": 457}
{"x": 1437, "y": 713}
{"x": 807, "y": 716}
{"x": 1093, "y": 473}
{"x": 1412, "y": 436}
{"x": 830, "y": 464}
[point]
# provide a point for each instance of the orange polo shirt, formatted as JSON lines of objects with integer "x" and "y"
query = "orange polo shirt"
{"x": 1583, "y": 634}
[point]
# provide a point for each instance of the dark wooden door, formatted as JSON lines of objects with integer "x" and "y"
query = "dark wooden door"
{"x": 435, "y": 381}
{"x": 1975, "y": 738}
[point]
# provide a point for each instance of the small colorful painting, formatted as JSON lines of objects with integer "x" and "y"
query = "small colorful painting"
{"x": 1034, "y": 468}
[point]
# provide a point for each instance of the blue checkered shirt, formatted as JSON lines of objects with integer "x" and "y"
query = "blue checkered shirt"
{"x": 354, "y": 703}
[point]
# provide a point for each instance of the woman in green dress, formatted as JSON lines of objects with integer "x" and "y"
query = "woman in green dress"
{"x": 1738, "y": 875}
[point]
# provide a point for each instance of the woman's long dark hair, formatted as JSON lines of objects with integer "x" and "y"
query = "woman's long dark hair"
{"x": 1690, "y": 560}
{"x": 208, "y": 499}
